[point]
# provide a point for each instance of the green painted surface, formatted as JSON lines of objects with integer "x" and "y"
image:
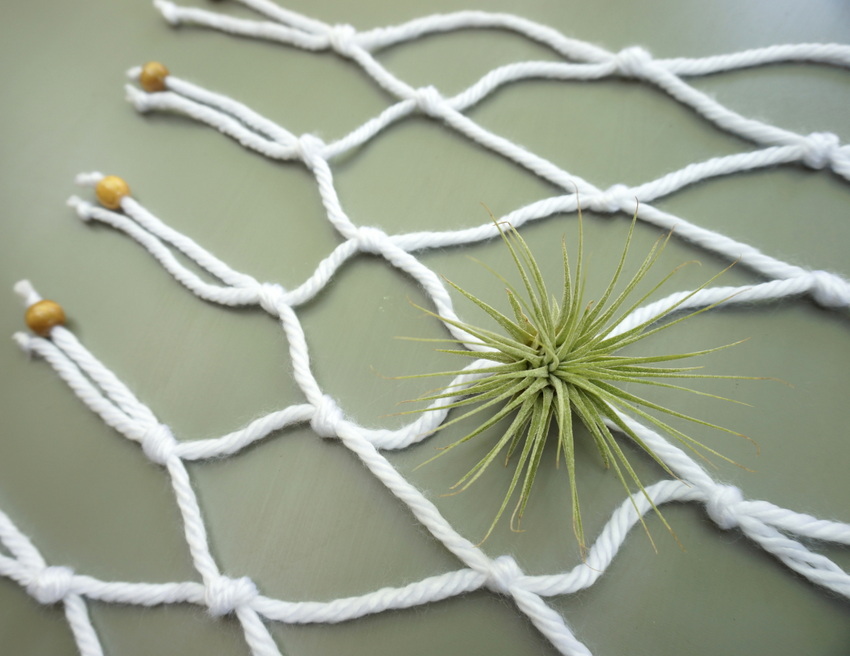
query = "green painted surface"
{"x": 299, "y": 514}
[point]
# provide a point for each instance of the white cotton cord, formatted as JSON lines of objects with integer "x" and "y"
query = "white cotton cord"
{"x": 311, "y": 148}
{"x": 631, "y": 62}
{"x": 139, "y": 594}
{"x": 549, "y": 623}
{"x": 713, "y": 168}
{"x": 527, "y": 70}
{"x": 19, "y": 545}
{"x": 88, "y": 179}
{"x": 115, "y": 390}
{"x": 777, "y": 530}
{"x": 801, "y": 524}
{"x": 255, "y": 431}
{"x": 193, "y": 524}
{"x": 26, "y": 292}
{"x": 237, "y": 110}
{"x": 835, "y": 54}
{"x": 285, "y": 16}
{"x": 231, "y": 296}
{"x": 429, "y": 590}
{"x": 67, "y": 343}
{"x": 322, "y": 275}
{"x": 570, "y": 48}
{"x": 544, "y": 618}
{"x": 77, "y": 614}
{"x": 177, "y": 15}
{"x": 169, "y": 101}
{"x": 202, "y": 257}
{"x": 370, "y": 129}
{"x": 541, "y": 167}
{"x": 80, "y": 384}
{"x": 818, "y": 569}
{"x": 829, "y": 290}
{"x": 425, "y": 511}
{"x": 300, "y": 356}
{"x": 257, "y": 634}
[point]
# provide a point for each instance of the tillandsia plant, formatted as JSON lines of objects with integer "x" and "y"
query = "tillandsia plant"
{"x": 557, "y": 360}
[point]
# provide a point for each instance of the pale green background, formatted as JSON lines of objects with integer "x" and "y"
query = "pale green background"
{"x": 300, "y": 515}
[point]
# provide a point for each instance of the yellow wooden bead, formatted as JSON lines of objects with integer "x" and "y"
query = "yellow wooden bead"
{"x": 41, "y": 317}
{"x": 152, "y": 77}
{"x": 110, "y": 190}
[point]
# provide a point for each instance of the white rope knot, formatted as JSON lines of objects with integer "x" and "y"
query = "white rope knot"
{"x": 326, "y": 418}
{"x": 828, "y": 289}
{"x": 309, "y": 147}
{"x": 51, "y": 584}
{"x": 371, "y": 240}
{"x": 721, "y": 504}
{"x": 633, "y": 62}
{"x": 271, "y": 297}
{"x": 429, "y": 101}
{"x": 820, "y": 149}
{"x": 158, "y": 443}
{"x": 613, "y": 199}
{"x": 223, "y": 595}
{"x": 503, "y": 574}
{"x": 342, "y": 39}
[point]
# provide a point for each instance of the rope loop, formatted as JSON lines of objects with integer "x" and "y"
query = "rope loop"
{"x": 223, "y": 595}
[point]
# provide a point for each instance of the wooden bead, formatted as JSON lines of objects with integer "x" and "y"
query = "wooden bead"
{"x": 41, "y": 317}
{"x": 152, "y": 77}
{"x": 110, "y": 190}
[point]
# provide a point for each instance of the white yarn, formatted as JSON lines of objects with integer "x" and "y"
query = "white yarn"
{"x": 773, "y": 528}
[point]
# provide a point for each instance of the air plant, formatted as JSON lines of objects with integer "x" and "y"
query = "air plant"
{"x": 557, "y": 360}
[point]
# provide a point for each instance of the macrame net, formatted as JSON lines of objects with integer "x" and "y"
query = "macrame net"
{"x": 777, "y": 530}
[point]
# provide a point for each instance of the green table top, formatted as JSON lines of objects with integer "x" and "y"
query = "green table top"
{"x": 300, "y": 515}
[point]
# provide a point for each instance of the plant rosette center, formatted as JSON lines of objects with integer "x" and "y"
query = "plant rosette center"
{"x": 558, "y": 360}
